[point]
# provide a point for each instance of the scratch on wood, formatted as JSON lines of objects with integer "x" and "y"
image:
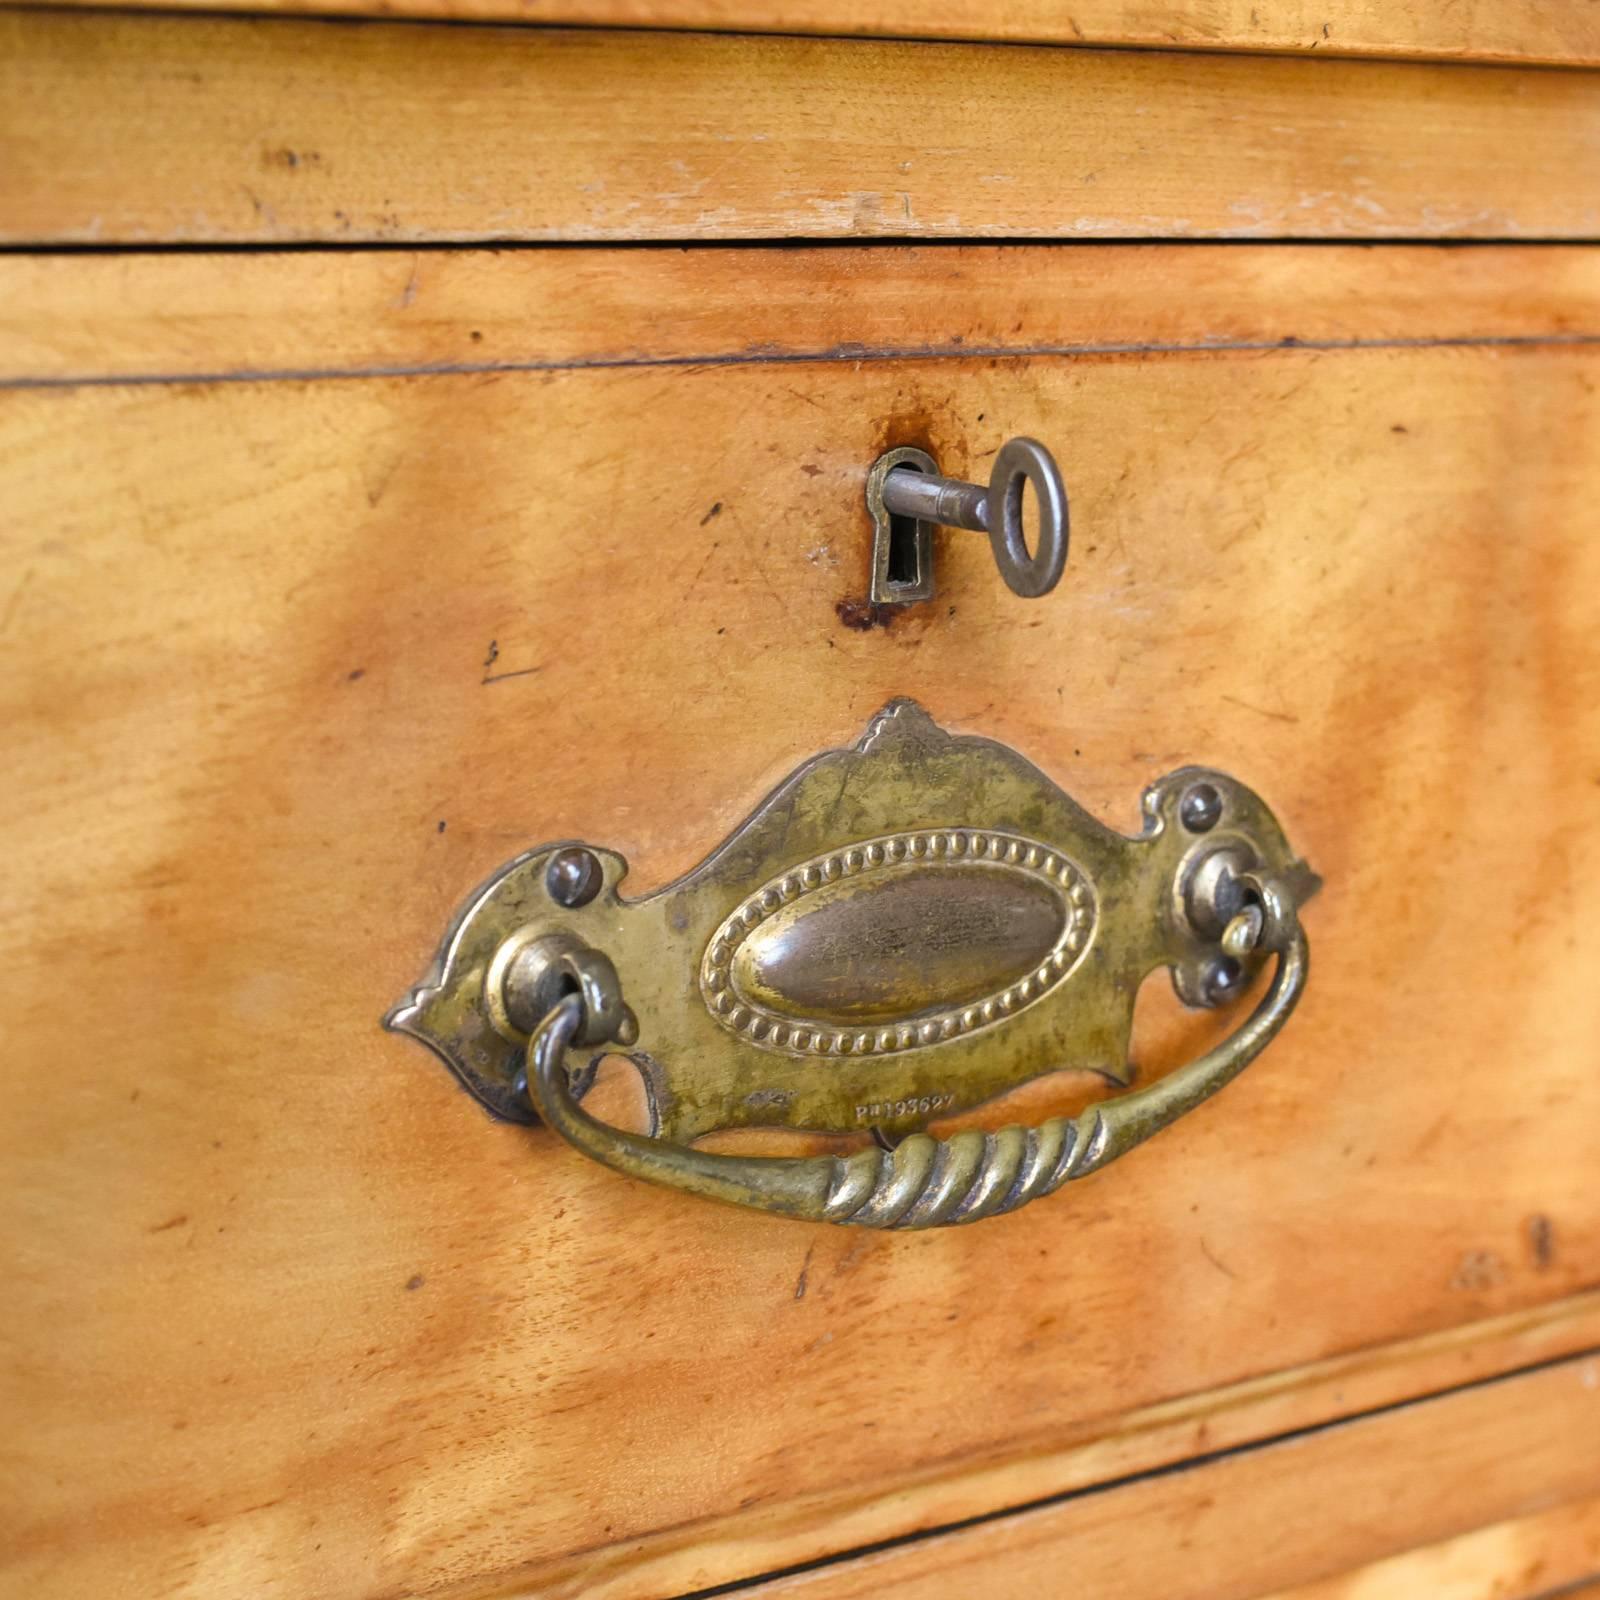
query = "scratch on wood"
{"x": 1261, "y": 711}
{"x": 694, "y": 582}
{"x": 1542, "y": 1240}
{"x": 1221, "y": 1266}
{"x": 493, "y": 656}
{"x": 377, "y": 487}
{"x": 805, "y": 1272}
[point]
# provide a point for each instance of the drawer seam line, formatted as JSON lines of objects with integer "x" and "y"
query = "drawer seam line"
{"x": 835, "y": 357}
{"x": 489, "y": 244}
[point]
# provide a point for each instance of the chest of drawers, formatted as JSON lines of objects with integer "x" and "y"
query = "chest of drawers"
{"x": 422, "y": 439}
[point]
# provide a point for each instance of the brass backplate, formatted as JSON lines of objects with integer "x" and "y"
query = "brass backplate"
{"x": 900, "y": 931}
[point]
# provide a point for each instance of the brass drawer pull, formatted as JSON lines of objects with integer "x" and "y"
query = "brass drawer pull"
{"x": 901, "y": 931}
{"x": 907, "y": 496}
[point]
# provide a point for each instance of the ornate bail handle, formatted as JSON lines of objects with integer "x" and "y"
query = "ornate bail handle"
{"x": 902, "y": 931}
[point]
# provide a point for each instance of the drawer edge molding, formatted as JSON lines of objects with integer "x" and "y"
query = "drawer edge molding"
{"x": 295, "y": 317}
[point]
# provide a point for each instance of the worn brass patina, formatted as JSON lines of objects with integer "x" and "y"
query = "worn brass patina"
{"x": 901, "y": 931}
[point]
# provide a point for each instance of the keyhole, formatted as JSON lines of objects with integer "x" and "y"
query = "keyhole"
{"x": 905, "y": 564}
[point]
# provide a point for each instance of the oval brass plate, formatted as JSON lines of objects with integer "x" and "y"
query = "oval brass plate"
{"x": 898, "y": 942}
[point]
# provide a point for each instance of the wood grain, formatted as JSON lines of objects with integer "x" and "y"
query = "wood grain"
{"x": 119, "y": 129}
{"x": 789, "y": 1532}
{"x": 1545, "y": 1555}
{"x": 1426, "y": 1474}
{"x": 1555, "y": 32}
{"x": 290, "y": 665}
{"x": 375, "y": 313}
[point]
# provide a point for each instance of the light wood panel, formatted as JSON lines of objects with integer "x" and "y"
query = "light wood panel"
{"x": 1545, "y": 1555}
{"x": 156, "y": 317}
{"x": 131, "y": 129}
{"x": 282, "y": 1301}
{"x": 1551, "y": 31}
{"x": 1246, "y": 1525}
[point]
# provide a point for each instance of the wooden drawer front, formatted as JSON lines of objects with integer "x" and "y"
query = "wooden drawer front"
{"x": 145, "y": 129}
{"x": 293, "y": 661}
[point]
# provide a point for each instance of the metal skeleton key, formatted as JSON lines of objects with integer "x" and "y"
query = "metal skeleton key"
{"x": 907, "y": 496}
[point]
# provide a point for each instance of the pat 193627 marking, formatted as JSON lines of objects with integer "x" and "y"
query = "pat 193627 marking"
{"x": 921, "y": 1105}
